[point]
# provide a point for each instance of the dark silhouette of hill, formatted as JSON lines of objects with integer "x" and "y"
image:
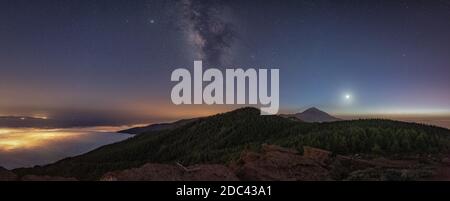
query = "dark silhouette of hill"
{"x": 220, "y": 139}
{"x": 313, "y": 115}
{"x": 157, "y": 127}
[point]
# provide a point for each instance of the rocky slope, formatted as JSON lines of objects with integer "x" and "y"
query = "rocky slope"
{"x": 166, "y": 172}
{"x": 6, "y": 175}
{"x": 274, "y": 163}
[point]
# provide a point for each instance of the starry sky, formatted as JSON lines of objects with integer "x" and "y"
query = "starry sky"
{"x": 111, "y": 60}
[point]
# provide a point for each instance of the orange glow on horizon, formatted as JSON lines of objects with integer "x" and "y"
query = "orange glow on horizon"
{"x": 173, "y": 112}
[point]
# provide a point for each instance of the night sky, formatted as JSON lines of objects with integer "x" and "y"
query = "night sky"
{"x": 111, "y": 60}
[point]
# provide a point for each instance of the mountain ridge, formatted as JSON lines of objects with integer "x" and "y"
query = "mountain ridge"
{"x": 220, "y": 139}
{"x": 156, "y": 127}
{"x": 313, "y": 115}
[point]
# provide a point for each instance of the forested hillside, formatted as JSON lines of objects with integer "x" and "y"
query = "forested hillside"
{"x": 221, "y": 138}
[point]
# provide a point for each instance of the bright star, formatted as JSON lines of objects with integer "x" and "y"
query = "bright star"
{"x": 347, "y": 98}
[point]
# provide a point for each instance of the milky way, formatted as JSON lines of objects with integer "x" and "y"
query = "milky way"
{"x": 208, "y": 29}
{"x": 90, "y": 63}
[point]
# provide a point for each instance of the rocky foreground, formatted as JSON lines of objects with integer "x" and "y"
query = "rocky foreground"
{"x": 274, "y": 163}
